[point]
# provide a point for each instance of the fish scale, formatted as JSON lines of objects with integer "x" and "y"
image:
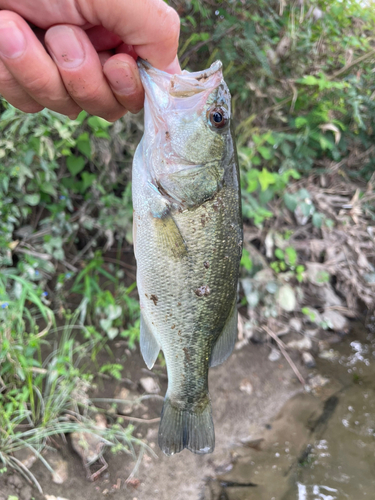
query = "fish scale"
{"x": 188, "y": 250}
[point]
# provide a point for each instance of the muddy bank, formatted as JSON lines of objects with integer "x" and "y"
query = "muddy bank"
{"x": 246, "y": 391}
{"x": 274, "y": 441}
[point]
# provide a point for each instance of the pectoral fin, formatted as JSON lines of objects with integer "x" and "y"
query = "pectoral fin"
{"x": 149, "y": 346}
{"x": 169, "y": 236}
{"x": 225, "y": 343}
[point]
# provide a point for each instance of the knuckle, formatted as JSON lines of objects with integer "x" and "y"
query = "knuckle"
{"x": 83, "y": 93}
{"x": 6, "y": 80}
{"x": 39, "y": 85}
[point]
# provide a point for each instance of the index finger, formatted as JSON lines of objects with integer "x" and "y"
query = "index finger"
{"x": 151, "y": 26}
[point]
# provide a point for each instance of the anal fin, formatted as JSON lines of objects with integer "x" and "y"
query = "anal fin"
{"x": 149, "y": 346}
{"x": 225, "y": 343}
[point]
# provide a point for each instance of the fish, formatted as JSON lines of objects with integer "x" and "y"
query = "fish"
{"x": 188, "y": 237}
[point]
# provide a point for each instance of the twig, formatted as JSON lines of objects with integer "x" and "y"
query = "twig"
{"x": 43, "y": 256}
{"x": 285, "y": 354}
{"x": 45, "y": 331}
{"x": 85, "y": 248}
{"x": 136, "y": 419}
{"x": 69, "y": 266}
{"x": 353, "y": 63}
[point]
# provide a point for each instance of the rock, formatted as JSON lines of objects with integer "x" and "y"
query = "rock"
{"x": 131, "y": 403}
{"x": 295, "y": 324}
{"x": 274, "y": 355}
{"x": 304, "y": 344}
{"x": 330, "y": 355}
{"x": 150, "y": 385}
{"x": 318, "y": 381}
{"x": 251, "y": 294}
{"x": 264, "y": 276}
{"x": 89, "y": 446}
{"x": 246, "y": 386}
{"x": 26, "y": 456}
{"x": 286, "y": 298}
{"x": 312, "y": 315}
{"x": 328, "y": 296}
{"x": 312, "y": 332}
{"x": 370, "y": 278}
{"x": 26, "y": 493}
{"x": 59, "y": 466}
{"x": 317, "y": 273}
{"x": 335, "y": 320}
{"x": 308, "y": 360}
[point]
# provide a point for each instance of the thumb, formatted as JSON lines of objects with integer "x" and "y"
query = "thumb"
{"x": 151, "y": 26}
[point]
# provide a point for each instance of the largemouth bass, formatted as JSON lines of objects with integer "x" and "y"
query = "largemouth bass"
{"x": 187, "y": 242}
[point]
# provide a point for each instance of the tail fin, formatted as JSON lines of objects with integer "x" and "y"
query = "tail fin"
{"x": 181, "y": 429}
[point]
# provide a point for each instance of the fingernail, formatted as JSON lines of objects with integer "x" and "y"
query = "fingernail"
{"x": 65, "y": 47}
{"x": 122, "y": 78}
{"x": 12, "y": 40}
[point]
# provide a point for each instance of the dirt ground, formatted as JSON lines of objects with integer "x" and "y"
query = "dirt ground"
{"x": 247, "y": 391}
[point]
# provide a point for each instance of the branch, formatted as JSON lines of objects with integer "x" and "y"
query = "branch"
{"x": 285, "y": 354}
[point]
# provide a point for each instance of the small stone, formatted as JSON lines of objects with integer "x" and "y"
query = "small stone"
{"x": 264, "y": 276}
{"x": 318, "y": 381}
{"x": 328, "y": 297}
{"x": 312, "y": 315}
{"x": 312, "y": 332}
{"x": 274, "y": 355}
{"x": 26, "y": 456}
{"x": 295, "y": 324}
{"x": 335, "y": 320}
{"x": 304, "y": 344}
{"x": 88, "y": 446}
{"x": 308, "y": 360}
{"x": 317, "y": 273}
{"x": 150, "y": 385}
{"x": 59, "y": 466}
{"x": 246, "y": 386}
{"x": 330, "y": 355}
{"x": 286, "y": 298}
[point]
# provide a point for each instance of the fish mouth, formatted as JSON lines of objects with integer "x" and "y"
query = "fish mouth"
{"x": 185, "y": 84}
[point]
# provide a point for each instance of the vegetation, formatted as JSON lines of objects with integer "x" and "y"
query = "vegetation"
{"x": 303, "y": 87}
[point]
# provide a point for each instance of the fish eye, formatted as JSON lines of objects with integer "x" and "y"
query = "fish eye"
{"x": 218, "y": 117}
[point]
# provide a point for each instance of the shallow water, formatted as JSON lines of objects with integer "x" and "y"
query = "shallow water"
{"x": 321, "y": 446}
{"x": 341, "y": 463}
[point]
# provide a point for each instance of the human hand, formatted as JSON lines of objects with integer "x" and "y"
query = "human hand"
{"x": 81, "y": 53}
